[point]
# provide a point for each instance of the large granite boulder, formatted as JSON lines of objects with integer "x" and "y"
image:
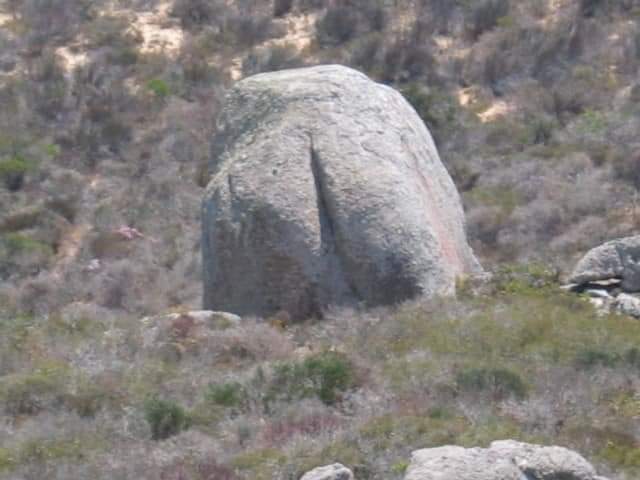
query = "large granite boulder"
{"x": 617, "y": 259}
{"x": 326, "y": 189}
{"x": 503, "y": 460}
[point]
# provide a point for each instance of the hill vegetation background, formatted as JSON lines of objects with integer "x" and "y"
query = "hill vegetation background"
{"x": 107, "y": 109}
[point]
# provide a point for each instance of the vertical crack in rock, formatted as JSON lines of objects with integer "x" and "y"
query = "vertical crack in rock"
{"x": 327, "y": 227}
{"x": 329, "y": 243}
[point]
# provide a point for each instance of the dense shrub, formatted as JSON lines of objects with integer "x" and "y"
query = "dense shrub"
{"x": 245, "y": 30}
{"x": 485, "y": 15}
{"x": 13, "y": 171}
{"x": 277, "y": 57}
{"x": 196, "y": 73}
{"x": 627, "y": 169}
{"x": 18, "y": 243}
{"x": 338, "y": 25}
{"x": 500, "y": 382}
{"x": 158, "y": 87}
{"x": 282, "y": 7}
{"x": 366, "y": 53}
{"x": 326, "y": 376}
{"x": 47, "y": 20}
{"x": 306, "y": 5}
{"x": 196, "y": 13}
{"x": 30, "y": 392}
{"x": 588, "y": 7}
{"x": 47, "y": 87}
{"x": 165, "y": 418}
{"x": 232, "y": 24}
{"x": 111, "y": 31}
{"x": 204, "y": 470}
{"x": 342, "y": 23}
{"x": 409, "y": 56}
{"x": 230, "y": 394}
{"x": 592, "y": 357}
{"x": 423, "y": 103}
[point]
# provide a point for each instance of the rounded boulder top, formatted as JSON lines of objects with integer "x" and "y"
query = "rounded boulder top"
{"x": 326, "y": 189}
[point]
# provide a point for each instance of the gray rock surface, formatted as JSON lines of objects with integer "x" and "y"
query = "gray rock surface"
{"x": 330, "y": 472}
{"x": 615, "y": 259}
{"x": 503, "y": 460}
{"x": 627, "y": 305}
{"x": 326, "y": 189}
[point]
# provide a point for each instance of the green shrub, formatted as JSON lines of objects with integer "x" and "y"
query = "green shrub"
{"x": 626, "y": 168}
{"x": 7, "y": 460}
{"x": 434, "y": 107}
{"x": 621, "y": 456}
{"x": 13, "y": 171}
{"x": 325, "y": 375}
{"x": 17, "y": 243}
{"x": 422, "y": 102}
{"x": 590, "y": 358}
{"x": 50, "y": 449}
{"x": 159, "y": 87}
{"x": 591, "y": 121}
{"x": 541, "y": 130}
{"x": 632, "y": 357}
{"x": 89, "y": 397}
{"x": 277, "y": 57}
{"x": 338, "y": 25}
{"x": 166, "y": 418}
{"x": 258, "y": 459}
{"x": 486, "y": 14}
{"x": 500, "y": 382}
{"x": 28, "y": 393}
{"x": 400, "y": 467}
{"x": 342, "y": 23}
{"x": 124, "y": 56}
{"x": 229, "y": 394}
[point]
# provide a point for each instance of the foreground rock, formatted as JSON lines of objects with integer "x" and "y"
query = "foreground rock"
{"x": 326, "y": 189}
{"x": 617, "y": 259}
{"x": 330, "y": 472}
{"x": 503, "y": 460}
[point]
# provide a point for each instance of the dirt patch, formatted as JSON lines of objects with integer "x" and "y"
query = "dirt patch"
{"x": 158, "y": 30}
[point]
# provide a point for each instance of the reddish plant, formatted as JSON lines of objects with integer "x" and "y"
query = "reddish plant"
{"x": 311, "y": 425}
{"x": 181, "y": 327}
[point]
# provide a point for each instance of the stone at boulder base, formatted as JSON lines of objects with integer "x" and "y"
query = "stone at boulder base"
{"x": 326, "y": 189}
{"x": 330, "y": 472}
{"x": 627, "y": 305}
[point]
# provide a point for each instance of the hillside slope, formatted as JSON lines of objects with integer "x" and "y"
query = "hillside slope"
{"x": 107, "y": 109}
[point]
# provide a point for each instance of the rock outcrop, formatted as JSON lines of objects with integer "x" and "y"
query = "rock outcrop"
{"x": 617, "y": 259}
{"x": 503, "y": 460}
{"x": 326, "y": 189}
{"x": 330, "y": 472}
{"x": 606, "y": 272}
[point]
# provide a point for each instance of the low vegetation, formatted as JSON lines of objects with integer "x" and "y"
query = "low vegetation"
{"x": 513, "y": 358}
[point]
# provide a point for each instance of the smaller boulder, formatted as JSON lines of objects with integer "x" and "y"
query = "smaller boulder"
{"x": 503, "y": 460}
{"x": 617, "y": 259}
{"x": 627, "y": 305}
{"x": 330, "y": 472}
